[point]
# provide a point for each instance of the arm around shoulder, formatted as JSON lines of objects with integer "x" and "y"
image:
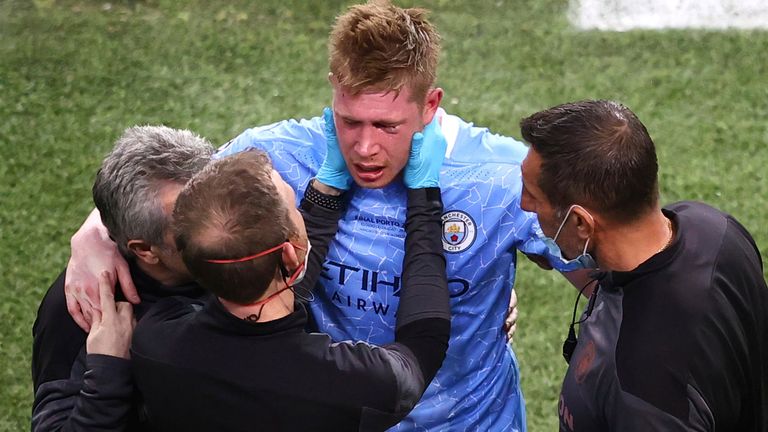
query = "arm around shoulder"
{"x": 93, "y": 252}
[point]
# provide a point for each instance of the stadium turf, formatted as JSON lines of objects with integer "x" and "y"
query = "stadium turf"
{"x": 74, "y": 74}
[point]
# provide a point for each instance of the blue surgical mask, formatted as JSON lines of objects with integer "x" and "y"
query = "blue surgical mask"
{"x": 583, "y": 261}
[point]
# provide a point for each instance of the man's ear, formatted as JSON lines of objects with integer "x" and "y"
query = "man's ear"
{"x": 289, "y": 256}
{"x": 431, "y": 104}
{"x": 143, "y": 251}
{"x": 585, "y": 223}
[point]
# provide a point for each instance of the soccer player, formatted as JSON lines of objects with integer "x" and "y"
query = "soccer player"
{"x": 675, "y": 335}
{"x": 383, "y": 65}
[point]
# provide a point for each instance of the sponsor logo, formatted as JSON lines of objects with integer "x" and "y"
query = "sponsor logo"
{"x": 459, "y": 231}
{"x": 349, "y": 279}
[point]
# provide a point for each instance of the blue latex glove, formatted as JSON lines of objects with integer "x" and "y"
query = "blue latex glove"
{"x": 333, "y": 172}
{"x": 426, "y": 158}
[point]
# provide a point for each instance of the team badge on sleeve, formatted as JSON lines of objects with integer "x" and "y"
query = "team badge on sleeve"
{"x": 459, "y": 231}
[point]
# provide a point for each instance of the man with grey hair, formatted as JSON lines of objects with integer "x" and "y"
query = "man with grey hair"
{"x": 82, "y": 381}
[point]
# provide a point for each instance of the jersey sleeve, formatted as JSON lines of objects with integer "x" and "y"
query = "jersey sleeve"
{"x": 480, "y": 146}
{"x": 285, "y": 136}
{"x": 295, "y": 147}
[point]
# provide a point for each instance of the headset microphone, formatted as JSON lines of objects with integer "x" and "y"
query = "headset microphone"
{"x": 569, "y": 345}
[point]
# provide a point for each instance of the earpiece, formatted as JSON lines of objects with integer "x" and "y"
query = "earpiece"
{"x": 569, "y": 345}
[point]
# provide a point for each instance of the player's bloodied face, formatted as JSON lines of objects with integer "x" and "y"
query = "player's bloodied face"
{"x": 375, "y": 130}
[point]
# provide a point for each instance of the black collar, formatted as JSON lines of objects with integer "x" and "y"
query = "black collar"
{"x": 215, "y": 314}
{"x": 151, "y": 291}
{"x": 617, "y": 279}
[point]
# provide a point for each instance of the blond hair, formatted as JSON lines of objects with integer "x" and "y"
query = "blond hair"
{"x": 381, "y": 47}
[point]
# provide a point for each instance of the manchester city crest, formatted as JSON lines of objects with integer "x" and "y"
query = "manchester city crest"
{"x": 459, "y": 231}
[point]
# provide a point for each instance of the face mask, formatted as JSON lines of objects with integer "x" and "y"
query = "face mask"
{"x": 583, "y": 261}
{"x": 300, "y": 277}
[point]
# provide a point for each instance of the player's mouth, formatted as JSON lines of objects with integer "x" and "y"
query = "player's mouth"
{"x": 369, "y": 173}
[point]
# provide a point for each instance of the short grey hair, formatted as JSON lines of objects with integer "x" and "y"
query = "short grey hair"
{"x": 127, "y": 184}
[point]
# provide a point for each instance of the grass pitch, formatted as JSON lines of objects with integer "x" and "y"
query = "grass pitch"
{"x": 74, "y": 74}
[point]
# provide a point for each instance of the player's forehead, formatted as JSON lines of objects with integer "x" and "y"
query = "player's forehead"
{"x": 374, "y": 106}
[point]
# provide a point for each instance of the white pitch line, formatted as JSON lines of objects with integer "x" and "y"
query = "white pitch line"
{"x": 621, "y": 15}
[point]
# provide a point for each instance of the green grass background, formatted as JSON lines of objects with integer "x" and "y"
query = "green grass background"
{"x": 74, "y": 74}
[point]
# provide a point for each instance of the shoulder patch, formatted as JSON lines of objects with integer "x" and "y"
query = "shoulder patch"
{"x": 459, "y": 231}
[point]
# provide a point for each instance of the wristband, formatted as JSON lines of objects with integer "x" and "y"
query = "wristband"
{"x": 328, "y": 202}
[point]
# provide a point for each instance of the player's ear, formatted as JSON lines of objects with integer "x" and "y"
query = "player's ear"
{"x": 431, "y": 104}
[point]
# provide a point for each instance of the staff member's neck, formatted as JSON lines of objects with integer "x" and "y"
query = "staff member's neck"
{"x": 624, "y": 246}
{"x": 271, "y": 306}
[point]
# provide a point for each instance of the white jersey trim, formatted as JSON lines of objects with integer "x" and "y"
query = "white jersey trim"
{"x": 450, "y": 126}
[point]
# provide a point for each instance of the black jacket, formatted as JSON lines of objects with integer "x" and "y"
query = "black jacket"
{"x": 201, "y": 368}
{"x": 79, "y": 392}
{"x": 681, "y": 342}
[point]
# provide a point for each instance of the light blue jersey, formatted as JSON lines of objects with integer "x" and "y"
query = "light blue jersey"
{"x": 478, "y": 386}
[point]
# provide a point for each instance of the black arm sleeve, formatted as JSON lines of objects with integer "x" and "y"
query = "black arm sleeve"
{"x": 423, "y": 317}
{"x": 57, "y": 340}
{"x": 73, "y": 391}
{"x": 423, "y": 322}
{"x": 96, "y": 397}
{"x": 322, "y": 224}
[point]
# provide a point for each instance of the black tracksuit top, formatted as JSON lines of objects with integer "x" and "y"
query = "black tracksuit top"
{"x": 681, "y": 342}
{"x": 201, "y": 368}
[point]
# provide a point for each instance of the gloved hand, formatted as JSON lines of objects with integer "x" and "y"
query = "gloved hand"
{"x": 426, "y": 158}
{"x": 333, "y": 172}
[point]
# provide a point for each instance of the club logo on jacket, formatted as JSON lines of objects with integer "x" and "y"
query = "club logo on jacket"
{"x": 459, "y": 231}
{"x": 585, "y": 362}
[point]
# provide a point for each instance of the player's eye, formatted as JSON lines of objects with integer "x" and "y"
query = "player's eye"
{"x": 388, "y": 128}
